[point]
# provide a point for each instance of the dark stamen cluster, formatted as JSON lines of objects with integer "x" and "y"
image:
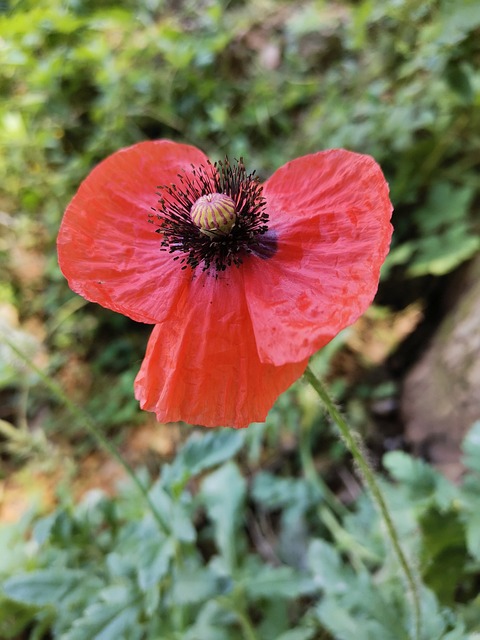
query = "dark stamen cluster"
{"x": 182, "y": 237}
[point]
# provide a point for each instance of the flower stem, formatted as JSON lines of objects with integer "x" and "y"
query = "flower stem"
{"x": 242, "y": 618}
{"x": 353, "y": 444}
{"x": 88, "y": 422}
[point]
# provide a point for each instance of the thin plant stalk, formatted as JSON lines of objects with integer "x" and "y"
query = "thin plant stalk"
{"x": 355, "y": 448}
{"x": 89, "y": 424}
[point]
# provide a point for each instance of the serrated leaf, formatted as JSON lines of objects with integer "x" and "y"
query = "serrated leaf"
{"x": 223, "y": 493}
{"x": 373, "y": 611}
{"x": 347, "y": 626}
{"x": 434, "y": 618}
{"x": 154, "y": 562}
{"x": 275, "y": 493}
{"x": 201, "y": 452}
{"x": 174, "y": 514}
{"x": 74, "y": 602}
{"x": 146, "y": 550}
{"x": 277, "y": 582}
{"x": 326, "y": 567}
{"x": 420, "y": 479}
{"x": 114, "y": 617}
{"x": 40, "y": 588}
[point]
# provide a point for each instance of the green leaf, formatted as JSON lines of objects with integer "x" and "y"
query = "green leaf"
{"x": 443, "y": 553}
{"x": 114, "y": 617}
{"x": 472, "y": 526}
{"x": 446, "y": 205}
{"x": 144, "y": 549}
{"x": 14, "y": 618}
{"x": 154, "y": 562}
{"x": 40, "y": 588}
{"x": 434, "y": 617}
{"x": 212, "y": 622}
{"x": 327, "y": 569}
{"x": 420, "y": 479}
{"x": 459, "y": 634}
{"x": 276, "y": 493}
{"x": 302, "y": 633}
{"x": 14, "y": 552}
{"x": 277, "y": 582}
{"x": 201, "y": 452}
{"x": 43, "y": 528}
{"x": 350, "y": 626}
{"x": 438, "y": 255}
{"x": 399, "y": 255}
{"x": 73, "y": 604}
{"x": 447, "y": 238}
{"x": 471, "y": 448}
{"x": 193, "y": 586}
{"x": 174, "y": 514}
{"x": 223, "y": 493}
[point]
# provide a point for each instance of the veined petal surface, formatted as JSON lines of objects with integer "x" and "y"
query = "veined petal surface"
{"x": 330, "y": 213}
{"x": 107, "y": 249}
{"x": 202, "y": 364}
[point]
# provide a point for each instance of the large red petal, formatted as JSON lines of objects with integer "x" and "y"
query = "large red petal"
{"x": 330, "y": 212}
{"x": 107, "y": 249}
{"x": 202, "y": 364}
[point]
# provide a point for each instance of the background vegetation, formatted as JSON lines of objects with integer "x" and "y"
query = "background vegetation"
{"x": 265, "y": 533}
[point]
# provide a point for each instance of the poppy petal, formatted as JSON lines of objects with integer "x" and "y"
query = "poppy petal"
{"x": 107, "y": 249}
{"x": 202, "y": 364}
{"x": 330, "y": 215}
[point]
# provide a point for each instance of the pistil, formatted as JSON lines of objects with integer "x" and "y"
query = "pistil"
{"x": 214, "y": 214}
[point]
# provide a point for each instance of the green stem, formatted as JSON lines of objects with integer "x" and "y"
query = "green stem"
{"x": 242, "y": 618}
{"x": 248, "y": 630}
{"x": 352, "y": 443}
{"x": 313, "y": 477}
{"x": 346, "y": 542}
{"x": 85, "y": 418}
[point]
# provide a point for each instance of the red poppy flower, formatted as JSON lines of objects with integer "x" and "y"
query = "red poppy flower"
{"x": 243, "y": 281}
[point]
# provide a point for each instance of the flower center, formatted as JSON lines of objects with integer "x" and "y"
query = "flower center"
{"x": 214, "y": 214}
{"x": 213, "y": 217}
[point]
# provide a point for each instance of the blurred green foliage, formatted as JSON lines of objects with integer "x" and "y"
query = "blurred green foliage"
{"x": 265, "y": 555}
{"x": 267, "y": 80}
{"x": 215, "y": 571}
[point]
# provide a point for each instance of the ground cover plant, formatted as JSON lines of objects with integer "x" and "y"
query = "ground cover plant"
{"x": 264, "y": 533}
